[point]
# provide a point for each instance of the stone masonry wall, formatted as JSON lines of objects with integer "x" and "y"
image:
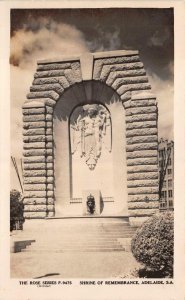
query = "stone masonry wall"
{"x": 124, "y": 73}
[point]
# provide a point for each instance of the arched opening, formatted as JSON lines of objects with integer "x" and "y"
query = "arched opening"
{"x": 95, "y": 161}
{"x": 91, "y": 150}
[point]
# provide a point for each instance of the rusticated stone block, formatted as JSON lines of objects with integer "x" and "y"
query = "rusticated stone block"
{"x": 49, "y": 145}
{"x": 50, "y": 179}
{"x": 38, "y": 201}
{"x": 62, "y": 80}
{"x": 34, "y": 159}
{"x": 100, "y": 70}
{"x": 49, "y": 110}
{"x": 36, "y": 145}
{"x": 49, "y": 131}
{"x": 130, "y": 64}
{"x": 35, "y": 215}
{"x": 142, "y": 161}
{"x": 49, "y": 73}
{"x": 125, "y": 97}
{"x": 47, "y": 87}
{"x": 140, "y": 168}
{"x": 141, "y": 131}
{"x": 37, "y": 208}
{"x": 49, "y": 124}
{"x": 35, "y": 166}
{"x": 69, "y": 77}
{"x": 49, "y": 138}
{"x": 143, "y": 205}
{"x": 49, "y": 152}
{"x": 142, "y": 212}
{"x": 50, "y": 173}
{"x": 141, "y": 139}
{"x": 50, "y": 194}
{"x": 49, "y": 117}
{"x": 36, "y": 152}
{"x": 50, "y": 187}
{"x": 141, "y": 176}
{"x": 53, "y": 66}
{"x": 35, "y": 187}
{"x": 128, "y": 80}
{"x": 49, "y": 94}
{"x": 120, "y": 74}
{"x": 34, "y": 138}
{"x": 143, "y": 95}
{"x": 30, "y": 125}
{"x": 138, "y": 103}
{"x": 141, "y": 118}
{"x": 143, "y": 183}
{"x": 49, "y": 159}
{"x": 49, "y": 102}
{"x": 142, "y": 146}
{"x": 144, "y": 153}
{"x": 36, "y": 131}
{"x": 34, "y": 201}
{"x": 142, "y": 190}
{"x": 33, "y": 111}
{"x": 31, "y": 180}
{"x": 140, "y": 110}
{"x": 143, "y": 197}
{"x": 50, "y": 166}
{"x": 137, "y": 125}
{"x": 35, "y": 173}
{"x": 35, "y": 194}
{"x": 133, "y": 87}
{"x": 34, "y": 118}
{"x": 51, "y": 214}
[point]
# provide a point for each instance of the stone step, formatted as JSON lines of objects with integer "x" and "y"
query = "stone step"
{"x": 85, "y": 244}
{"x": 77, "y": 235}
{"x": 58, "y": 245}
{"x": 76, "y": 250}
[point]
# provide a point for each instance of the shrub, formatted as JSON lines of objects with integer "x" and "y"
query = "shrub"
{"x": 16, "y": 210}
{"x": 153, "y": 244}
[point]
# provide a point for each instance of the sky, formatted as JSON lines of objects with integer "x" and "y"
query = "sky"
{"x": 51, "y": 33}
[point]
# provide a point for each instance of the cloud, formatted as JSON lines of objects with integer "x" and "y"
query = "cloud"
{"x": 55, "y": 40}
{"x": 44, "y": 39}
{"x": 47, "y": 40}
{"x": 105, "y": 40}
{"x": 159, "y": 38}
{"x": 164, "y": 91}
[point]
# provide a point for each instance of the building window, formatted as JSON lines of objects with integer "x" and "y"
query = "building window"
{"x": 169, "y": 162}
{"x": 169, "y": 182}
{"x": 163, "y": 194}
{"x": 170, "y": 193}
{"x": 169, "y": 171}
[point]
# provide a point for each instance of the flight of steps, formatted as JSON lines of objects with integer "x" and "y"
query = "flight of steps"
{"x": 79, "y": 235}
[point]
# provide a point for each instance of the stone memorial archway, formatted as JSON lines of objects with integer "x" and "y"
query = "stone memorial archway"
{"x": 116, "y": 77}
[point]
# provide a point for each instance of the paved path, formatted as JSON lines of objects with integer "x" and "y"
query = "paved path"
{"x": 72, "y": 265}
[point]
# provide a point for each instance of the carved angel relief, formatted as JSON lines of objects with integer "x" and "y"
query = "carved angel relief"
{"x": 89, "y": 129}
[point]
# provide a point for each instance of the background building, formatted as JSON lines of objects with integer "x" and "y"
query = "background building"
{"x": 166, "y": 174}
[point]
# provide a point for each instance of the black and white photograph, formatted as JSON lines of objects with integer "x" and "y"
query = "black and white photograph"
{"x": 94, "y": 151}
{"x": 92, "y": 143}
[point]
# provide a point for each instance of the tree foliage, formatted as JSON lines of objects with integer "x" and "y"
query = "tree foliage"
{"x": 153, "y": 243}
{"x": 16, "y": 209}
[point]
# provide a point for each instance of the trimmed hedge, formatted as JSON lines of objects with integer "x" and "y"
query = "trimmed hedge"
{"x": 153, "y": 244}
